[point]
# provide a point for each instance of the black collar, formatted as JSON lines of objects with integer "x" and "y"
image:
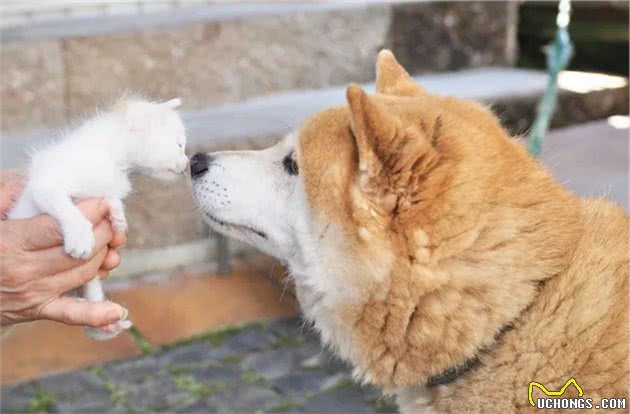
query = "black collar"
{"x": 450, "y": 374}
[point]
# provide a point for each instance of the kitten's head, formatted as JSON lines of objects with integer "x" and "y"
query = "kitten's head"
{"x": 159, "y": 137}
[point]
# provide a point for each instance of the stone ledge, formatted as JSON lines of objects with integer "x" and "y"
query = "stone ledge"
{"x": 513, "y": 93}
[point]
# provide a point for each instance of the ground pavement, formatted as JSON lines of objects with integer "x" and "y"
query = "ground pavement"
{"x": 272, "y": 366}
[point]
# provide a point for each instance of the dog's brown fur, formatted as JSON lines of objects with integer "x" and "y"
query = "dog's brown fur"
{"x": 476, "y": 236}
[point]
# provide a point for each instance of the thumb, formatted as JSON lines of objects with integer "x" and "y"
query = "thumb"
{"x": 76, "y": 311}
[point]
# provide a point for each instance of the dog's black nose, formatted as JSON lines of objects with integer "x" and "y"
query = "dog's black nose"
{"x": 199, "y": 164}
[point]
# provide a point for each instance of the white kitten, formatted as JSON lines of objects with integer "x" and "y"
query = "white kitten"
{"x": 95, "y": 160}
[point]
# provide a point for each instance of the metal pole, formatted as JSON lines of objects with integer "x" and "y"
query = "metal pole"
{"x": 223, "y": 255}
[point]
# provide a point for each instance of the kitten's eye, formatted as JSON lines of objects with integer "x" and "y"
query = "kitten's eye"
{"x": 180, "y": 145}
{"x": 290, "y": 165}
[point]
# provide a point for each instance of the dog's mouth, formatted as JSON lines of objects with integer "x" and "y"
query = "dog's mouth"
{"x": 230, "y": 225}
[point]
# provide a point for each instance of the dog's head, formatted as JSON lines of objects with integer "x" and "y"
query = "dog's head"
{"x": 353, "y": 176}
{"x": 384, "y": 208}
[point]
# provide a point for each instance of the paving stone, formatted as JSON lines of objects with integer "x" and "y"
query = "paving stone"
{"x": 199, "y": 406}
{"x": 73, "y": 392}
{"x": 217, "y": 375}
{"x": 198, "y": 351}
{"x": 244, "y": 398}
{"x": 300, "y": 384}
{"x": 249, "y": 340}
{"x": 351, "y": 399}
{"x": 307, "y": 349}
{"x": 16, "y": 399}
{"x": 290, "y": 327}
{"x": 68, "y": 386}
{"x": 159, "y": 393}
{"x": 272, "y": 364}
{"x": 332, "y": 363}
{"x": 133, "y": 371}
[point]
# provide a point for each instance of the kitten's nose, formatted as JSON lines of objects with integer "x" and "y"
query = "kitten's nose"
{"x": 199, "y": 164}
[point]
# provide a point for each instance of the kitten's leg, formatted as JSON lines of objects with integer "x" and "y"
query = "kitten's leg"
{"x": 117, "y": 214}
{"x": 78, "y": 237}
{"x": 93, "y": 290}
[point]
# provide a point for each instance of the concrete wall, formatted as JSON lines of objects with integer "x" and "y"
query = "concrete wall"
{"x": 51, "y": 72}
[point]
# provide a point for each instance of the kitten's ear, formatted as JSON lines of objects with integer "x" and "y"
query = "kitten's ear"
{"x": 173, "y": 103}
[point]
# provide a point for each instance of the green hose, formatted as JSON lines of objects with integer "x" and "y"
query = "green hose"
{"x": 559, "y": 53}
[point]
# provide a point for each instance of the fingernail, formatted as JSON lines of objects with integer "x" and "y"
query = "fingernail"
{"x": 117, "y": 314}
{"x": 113, "y": 315}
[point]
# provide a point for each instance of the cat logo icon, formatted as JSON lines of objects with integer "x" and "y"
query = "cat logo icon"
{"x": 553, "y": 393}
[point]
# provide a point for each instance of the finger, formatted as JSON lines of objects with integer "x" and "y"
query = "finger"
{"x": 77, "y": 276}
{"x": 54, "y": 260}
{"x": 41, "y": 232}
{"x": 111, "y": 261}
{"x": 116, "y": 326}
{"x": 75, "y": 311}
{"x": 118, "y": 239}
{"x": 11, "y": 184}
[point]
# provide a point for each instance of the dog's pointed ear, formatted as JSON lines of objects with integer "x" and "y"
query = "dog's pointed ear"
{"x": 393, "y": 79}
{"x": 370, "y": 124}
{"x": 390, "y": 155}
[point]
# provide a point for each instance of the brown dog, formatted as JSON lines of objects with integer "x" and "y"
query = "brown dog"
{"x": 434, "y": 254}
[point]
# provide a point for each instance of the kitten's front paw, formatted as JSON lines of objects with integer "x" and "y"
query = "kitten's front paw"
{"x": 78, "y": 239}
{"x": 117, "y": 215}
{"x": 109, "y": 331}
{"x": 119, "y": 222}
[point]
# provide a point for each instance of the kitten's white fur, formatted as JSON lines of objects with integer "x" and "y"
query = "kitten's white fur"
{"x": 94, "y": 160}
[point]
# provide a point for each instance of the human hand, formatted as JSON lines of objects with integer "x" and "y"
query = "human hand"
{"x": 35, "y": 272}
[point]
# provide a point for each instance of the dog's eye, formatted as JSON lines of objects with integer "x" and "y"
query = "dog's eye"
{"x": 290, "y": 165}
